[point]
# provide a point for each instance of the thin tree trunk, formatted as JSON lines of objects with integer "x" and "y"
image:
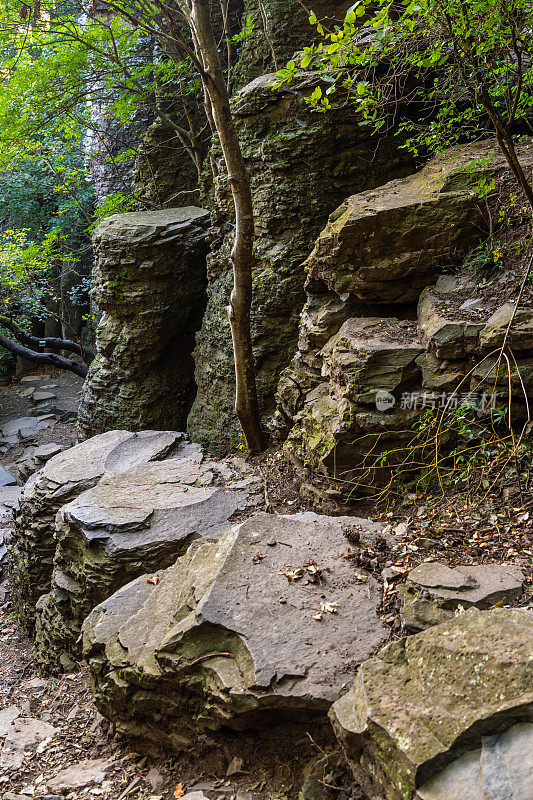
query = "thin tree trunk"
{"x": 246, "y": 402}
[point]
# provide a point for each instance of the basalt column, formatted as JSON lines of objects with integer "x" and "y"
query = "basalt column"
{"x": 150, "y": 282}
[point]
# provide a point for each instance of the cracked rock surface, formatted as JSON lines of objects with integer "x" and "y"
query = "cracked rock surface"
{"x": 268, "y": 623}
{"x": 433, "y": 592}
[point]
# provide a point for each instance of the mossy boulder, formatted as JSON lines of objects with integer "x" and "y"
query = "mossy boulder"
{"x": 425, "y": 701}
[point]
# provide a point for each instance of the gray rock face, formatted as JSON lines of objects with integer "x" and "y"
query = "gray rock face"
{"x": 425, "y": 701}
{"x": 62, "y": 478}
{"x": 433, "y": 592}
{"x": 302, "y": 165}
{"x": 150, "y": 282}
{"x": 267, "y": 623}
{"x": 501, "y": 769}
{"x": 130, "y": 523}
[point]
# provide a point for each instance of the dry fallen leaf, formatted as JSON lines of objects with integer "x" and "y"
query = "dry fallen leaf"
{"x": 179, "y": 791}
{"x": 330, "y": 607}
{"x": 318, "y": 616}
{"x": 153, "y": 579}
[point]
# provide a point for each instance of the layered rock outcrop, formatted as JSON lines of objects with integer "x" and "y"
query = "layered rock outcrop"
{"x": 268, "y": 623}
{"x": 302, "y": 164}
{"x": 446, "y": 689}
{"x": 130, "y": 523}
{"x": 368, "y": 362}
{"x": 150, "y": 281}
{"x": 63, "y": 478}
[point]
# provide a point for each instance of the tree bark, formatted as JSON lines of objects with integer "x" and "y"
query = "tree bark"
{"x": 48, "y": 359}
{"x": 242, "y": 258}
{"x": 52, "y": 342}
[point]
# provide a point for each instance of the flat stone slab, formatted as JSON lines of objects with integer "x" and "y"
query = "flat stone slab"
{"x": 433, "y": 592}
{"x": 268, "y": 623}
{"x": 6, "y": 479}
{"x": 25, "y": 733}
{"x": 85, "y": 773}
{"x": 62, "y": 478}
{"x": 424, "y": 701}
{"x": 501, "y": 769}
{"x": 27, "y": 424}
{"x": 40, "y": 396}
{"x": 7, "y": 717}
{"x": 46, "y": 451}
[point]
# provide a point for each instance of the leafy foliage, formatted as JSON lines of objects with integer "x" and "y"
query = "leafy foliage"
{"x": 460, "y": 66}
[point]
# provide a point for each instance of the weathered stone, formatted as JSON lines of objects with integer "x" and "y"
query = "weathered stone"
{"x": 150, "y": 282}
{"x": 47, "y": 451}
{"x": 130, "y": 523}
{"x": 237, "y": 633}
{"x": 433, "y": 592}
{"x": 384, "y": 246}
{"x": 280, "y": 28}
{"x": 25, "y": 733}
{"x": 365, "y": 369}
{"x": 302, "y": 164}
{"x": 424, "y": 701}
{"x": 30, "y": 425}
{"x": 39, "y": 397}
{"x": 388, "y": 244}
{"x": 64, "y": 477}
{"x": 84, "y": 773}
{"x": 499, "y": 770}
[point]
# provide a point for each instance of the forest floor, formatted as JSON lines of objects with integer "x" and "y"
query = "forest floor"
{"x": 451, "y": 529}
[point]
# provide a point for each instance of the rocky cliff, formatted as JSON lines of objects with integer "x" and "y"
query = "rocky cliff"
{"x": 301, "y": 165}
{"x": 150, "y": 282}
{"x": 380, "y": 343}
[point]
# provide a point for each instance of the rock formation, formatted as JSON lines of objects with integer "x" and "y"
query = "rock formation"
{"x": 132, "y": 522}
{"x": 63, "y": 478}
{"x": 301, "y": 165}
{"x": 365, "y": 354}
{"x": 150, "y": 282}
{"x": 446, "y": 688}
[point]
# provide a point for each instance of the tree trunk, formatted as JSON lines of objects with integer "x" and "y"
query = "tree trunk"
{"x": 246, "y": 402}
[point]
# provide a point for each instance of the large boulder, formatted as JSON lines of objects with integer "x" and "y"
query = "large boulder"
{"x": 268, "y": 623}
{"x": 387, "y": 244}
{"x": 498, "y": 770}
{"x": 425, "y": 701}
{"x": 302, "y": 165}
{"x": 130, "y": 523}
{"x": 63, "y": 478}
{"x": 150, "y": 281}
